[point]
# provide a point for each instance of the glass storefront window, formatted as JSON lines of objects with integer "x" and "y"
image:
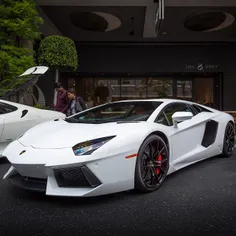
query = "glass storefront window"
{"x": 97, "y": 91}
{"x": 184, "y": 89}
{"x": 106, "y": 90}
{"x": 102, "y": 90}
{"x": 89, "y": 92}
{"x": 160, "y": 87}
{"x": 133, "y": 88}
{"x": 114, "y": 90}
{"x": 204, "y": 91}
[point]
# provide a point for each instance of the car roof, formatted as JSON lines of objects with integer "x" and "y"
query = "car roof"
{"x": 164, "y": 100}
{"x": 167, "y": 101}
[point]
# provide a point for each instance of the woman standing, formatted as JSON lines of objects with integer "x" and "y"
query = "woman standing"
{"x": 77, "y": 104}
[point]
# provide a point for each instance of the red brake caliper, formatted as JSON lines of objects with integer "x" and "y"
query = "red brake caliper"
{"x": 159, "y": 158}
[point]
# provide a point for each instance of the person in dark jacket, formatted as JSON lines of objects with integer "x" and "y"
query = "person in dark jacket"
{"x": 62, "y": 102}
{"x": 77, "y": 104}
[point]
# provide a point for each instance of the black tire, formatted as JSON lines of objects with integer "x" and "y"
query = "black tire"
{"x": 148, "y": 164}
{"x": 229, "y": 139}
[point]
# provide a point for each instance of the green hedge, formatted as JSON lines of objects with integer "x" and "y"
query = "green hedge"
{"x": 58, "y": 52}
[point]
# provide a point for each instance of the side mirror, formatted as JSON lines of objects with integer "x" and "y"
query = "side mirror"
{"x": 180, "y": 116}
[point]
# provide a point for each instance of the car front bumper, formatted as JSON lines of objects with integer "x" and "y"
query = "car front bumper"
{"x": 70, "y": 181}
{"x": 36, "y": 170}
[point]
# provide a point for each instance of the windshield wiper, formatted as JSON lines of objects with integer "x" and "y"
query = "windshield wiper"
{"x": 102, "y": 121}
{"x": 71, "y": 120}
{"x": 128, "y": 121}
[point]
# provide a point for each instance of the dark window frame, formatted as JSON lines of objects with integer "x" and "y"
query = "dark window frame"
{"x": 194, "y": 112}
{"x": 5, "y": 106}
{"x": 199, "y": 108}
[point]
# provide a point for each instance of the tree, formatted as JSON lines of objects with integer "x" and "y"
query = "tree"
{"x": 58, "y": 52}
{"x": 19, "y": 23}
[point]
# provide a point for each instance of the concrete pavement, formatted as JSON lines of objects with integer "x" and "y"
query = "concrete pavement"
{"x": 198, "y": 200}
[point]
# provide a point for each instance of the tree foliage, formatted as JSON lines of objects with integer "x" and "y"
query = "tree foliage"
{"x": 19, "y": 21}
{"x": 58, "y": 52}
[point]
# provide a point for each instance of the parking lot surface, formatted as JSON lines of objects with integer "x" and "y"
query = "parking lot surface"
{"x": 198, "y": 200}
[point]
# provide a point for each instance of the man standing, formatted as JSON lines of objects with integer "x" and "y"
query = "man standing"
{"x": 62, "y": 102}
{"x": 101, "y": 94}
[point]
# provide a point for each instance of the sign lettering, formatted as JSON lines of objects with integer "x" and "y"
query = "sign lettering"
{"x": 201, "y": 67}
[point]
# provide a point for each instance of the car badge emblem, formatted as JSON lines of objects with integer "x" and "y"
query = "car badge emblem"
{"x": 22, "y": 152}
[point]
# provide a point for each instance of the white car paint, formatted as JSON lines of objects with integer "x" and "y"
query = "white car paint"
{"x": 12, "y": 124}
{"x": 36, "y": 70}
{"x": 48, "y": 147}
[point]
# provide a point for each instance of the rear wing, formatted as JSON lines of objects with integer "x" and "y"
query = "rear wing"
{"x": 29, "y": 77}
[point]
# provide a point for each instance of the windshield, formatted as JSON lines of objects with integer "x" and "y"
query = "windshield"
{"x": 116, "y": 112}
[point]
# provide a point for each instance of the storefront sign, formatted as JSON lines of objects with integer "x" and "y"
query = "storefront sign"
{"x": 201, "y": 67}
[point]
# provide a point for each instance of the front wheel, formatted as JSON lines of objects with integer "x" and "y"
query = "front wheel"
{"x": 152, "y": 164}
{"x": 229, "y": 139}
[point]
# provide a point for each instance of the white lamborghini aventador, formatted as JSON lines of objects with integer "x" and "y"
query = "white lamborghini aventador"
{"x": 118, "y": 146}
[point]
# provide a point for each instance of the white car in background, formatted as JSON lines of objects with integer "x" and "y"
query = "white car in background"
{"x": 16, "y": 119}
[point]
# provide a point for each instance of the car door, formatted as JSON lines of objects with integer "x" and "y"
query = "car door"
{"x": 186, "y": 138}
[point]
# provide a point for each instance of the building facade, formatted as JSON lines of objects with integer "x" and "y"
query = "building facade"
{"x": 132, "y": 50}
{"x": 205, "y": 74}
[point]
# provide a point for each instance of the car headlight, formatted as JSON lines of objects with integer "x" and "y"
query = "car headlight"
{"x": 88, "y": 147}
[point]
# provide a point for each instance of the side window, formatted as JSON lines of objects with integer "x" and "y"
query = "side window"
{"x": 161, "y": 119}
{"x": 6, "y": 108}
{"x": 197, "y": 108}
{"x": 191, "y": 109}
{"x": 171, "y": 109}
{"x": 200, "y": 109}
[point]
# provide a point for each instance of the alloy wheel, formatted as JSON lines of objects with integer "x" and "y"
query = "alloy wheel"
{"x": 229, "y": 139}
{"x": 154, "y": 163}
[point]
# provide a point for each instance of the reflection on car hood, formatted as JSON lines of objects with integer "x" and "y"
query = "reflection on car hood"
{"x": 60, "y": 134}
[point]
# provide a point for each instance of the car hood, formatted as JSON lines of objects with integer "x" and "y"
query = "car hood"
{"x": 61, "y": 134}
